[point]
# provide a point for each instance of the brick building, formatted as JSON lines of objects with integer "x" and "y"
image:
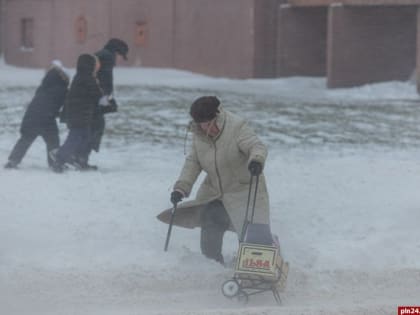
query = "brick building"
{"x": 351, "y": 42}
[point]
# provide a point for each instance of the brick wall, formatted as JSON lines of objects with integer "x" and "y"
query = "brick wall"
{"x": 265, "y": 36}
{"x": 370, "y": 44}
{"x": 236, "y": 38}
{"x": 301, "y": 41}
{"x": 353, "y": 2}
{"x": 215, "y": 37}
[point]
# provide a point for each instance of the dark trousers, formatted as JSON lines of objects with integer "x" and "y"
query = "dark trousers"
{"x": 98, "y": 128}
{"x": 214, "y": 223}
{"x": 51, "y": 139}
{"x": 76, "y": 145}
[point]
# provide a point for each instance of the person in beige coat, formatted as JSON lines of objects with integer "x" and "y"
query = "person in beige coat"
{"x": 226, "y": 148}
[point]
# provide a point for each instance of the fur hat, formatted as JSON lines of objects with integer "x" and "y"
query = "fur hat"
{"x": 57, "y": 64}
{"x": 204, "y": 108}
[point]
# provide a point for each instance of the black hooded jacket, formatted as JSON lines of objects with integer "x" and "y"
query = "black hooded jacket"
{"x": 107, "y": 57}
{"x": 47, "y": 101}
{"x": 84, "y": 94}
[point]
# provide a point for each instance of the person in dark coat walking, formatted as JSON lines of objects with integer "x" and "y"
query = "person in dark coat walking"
{"x": 108, "y": 58}
{"x": 40, "y": 116}
{"x": 79, "y": 108}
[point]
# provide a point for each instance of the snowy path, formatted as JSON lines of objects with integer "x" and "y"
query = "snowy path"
{"x": 343, "y": 174}
{"x": 134, "y": 292}
{"x": 88, "y": 243}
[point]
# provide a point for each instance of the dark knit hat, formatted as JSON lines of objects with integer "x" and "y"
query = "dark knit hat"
{"x": 119, "y": 46}
{"x": 86, "y": 64}
{"x": 204, "y": 108}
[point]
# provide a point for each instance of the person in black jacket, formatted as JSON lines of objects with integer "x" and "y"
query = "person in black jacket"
{"x": 79, "y": 108}
{"x": 108, "y": 58}
{"x": 40, "y": 116}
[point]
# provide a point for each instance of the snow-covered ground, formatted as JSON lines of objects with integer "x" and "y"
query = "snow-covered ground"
{"x": 343, "y": 174}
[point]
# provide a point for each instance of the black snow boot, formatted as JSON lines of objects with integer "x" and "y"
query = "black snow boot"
{"x": 81, "y": 164}
{"x": 55, "y": 164}
{"x": 10, "y": 165}
{"x": 89, "y": 167}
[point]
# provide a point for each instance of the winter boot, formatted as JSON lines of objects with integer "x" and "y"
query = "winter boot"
{"x": 57, "y": 168}
{"x": 53, "y": 156}
{"x": 10, "y": 165}
{"x": 56, "y": 165}
{"x": 81, "y": 164}
{"x": 89, "y": 167}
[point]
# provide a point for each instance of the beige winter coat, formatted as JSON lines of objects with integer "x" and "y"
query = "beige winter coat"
{"x": 225, "y": 160}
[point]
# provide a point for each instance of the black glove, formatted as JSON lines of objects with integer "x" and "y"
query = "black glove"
{"x": 255, "y": 168}
{"x": 176, "y": 197}
{"x": 111, "y": 108}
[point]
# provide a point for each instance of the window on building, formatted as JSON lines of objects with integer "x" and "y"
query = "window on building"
{"x": 141, "y": 33}
{"x": 81, "y": 29}
{"x": 27, "y": 33}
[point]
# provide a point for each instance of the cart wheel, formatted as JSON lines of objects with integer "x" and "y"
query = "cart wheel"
{"x": 230, "y": 288}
